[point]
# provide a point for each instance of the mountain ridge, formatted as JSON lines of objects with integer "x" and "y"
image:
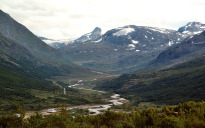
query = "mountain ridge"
{"x": 111, "y": 51}
{"x": 20, "y": 34}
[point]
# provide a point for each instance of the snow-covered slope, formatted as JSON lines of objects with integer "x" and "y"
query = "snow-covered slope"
{"x": 142, "y": 38}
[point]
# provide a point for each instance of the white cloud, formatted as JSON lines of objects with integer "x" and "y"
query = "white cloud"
{"x": 72, "y": 18}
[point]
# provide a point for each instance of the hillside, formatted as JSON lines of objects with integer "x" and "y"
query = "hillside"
{"x": 180, "y": 83}
{"x": 20, "y": 34}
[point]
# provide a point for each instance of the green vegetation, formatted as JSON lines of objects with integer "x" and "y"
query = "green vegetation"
{"x": 180, "y": 83}
{"x": 187, "y": 115}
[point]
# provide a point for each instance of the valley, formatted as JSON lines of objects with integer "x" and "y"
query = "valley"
{"x": 129, "y": 76}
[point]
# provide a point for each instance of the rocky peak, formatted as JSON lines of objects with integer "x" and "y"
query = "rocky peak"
{"x": 92, "y": 36}
{"x": 97, "y": 30}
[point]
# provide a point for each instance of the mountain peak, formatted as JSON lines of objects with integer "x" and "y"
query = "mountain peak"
{"x": 92, "y": 36}
{"x": 97, "y": 29}
{"x": 192, "y": 28}
{"x": 194, "y": 23}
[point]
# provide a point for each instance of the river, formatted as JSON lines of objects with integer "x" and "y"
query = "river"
{"x": 115, "y": 99}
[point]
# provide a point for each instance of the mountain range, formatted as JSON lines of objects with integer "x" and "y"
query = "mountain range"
{"x": 125, "y": 49}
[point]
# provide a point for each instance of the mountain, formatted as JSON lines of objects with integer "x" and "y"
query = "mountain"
{"x": 122, "y": 49}
{"x": 20, "y": 34}
{"x": 190, "y": 47}
{"x": 192, "y": 28}
{"x": 92, "y": 36}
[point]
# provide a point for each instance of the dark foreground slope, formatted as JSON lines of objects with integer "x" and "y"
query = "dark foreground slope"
{"x": 181, "y": 83}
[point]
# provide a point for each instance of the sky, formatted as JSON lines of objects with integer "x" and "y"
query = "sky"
{"x": 65, "y": 19}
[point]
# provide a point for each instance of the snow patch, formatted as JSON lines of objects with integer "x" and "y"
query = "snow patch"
{"x": 161, "y": 30}
{"x": 198, "y": 32}
{"x": 135, "y": 41}
{"x": 123, "y": 32}
{"x": 185, "y": 32}
{"x": 129, "y": 49}
{"x": 191, "y": 37}
{"x": 98, "y": 40}
{"x": 170, "y": 43}
{"x": 131, "y": 45}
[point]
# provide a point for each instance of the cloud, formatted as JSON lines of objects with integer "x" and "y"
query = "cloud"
{"x": 72, "y": 18}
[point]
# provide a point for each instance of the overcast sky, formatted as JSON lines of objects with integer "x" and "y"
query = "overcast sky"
{"x": 64, "y": 19}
